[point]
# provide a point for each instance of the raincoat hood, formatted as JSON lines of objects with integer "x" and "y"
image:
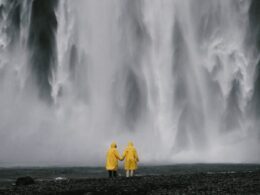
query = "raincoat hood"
{"x": 130, "y": 144}
{"x": 113, "y": 145}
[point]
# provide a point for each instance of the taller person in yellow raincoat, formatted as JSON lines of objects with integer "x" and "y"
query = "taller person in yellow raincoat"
{"x": 131, "y": 158}
{"x": 112, "y": 160}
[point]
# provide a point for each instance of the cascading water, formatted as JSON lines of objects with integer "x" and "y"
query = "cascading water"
{"x": 179, "y": 78}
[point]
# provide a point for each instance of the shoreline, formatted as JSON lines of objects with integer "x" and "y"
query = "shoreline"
{"x": 188, "y": 183}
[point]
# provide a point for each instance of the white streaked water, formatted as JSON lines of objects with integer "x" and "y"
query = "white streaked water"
{"x": 175, "y": 77}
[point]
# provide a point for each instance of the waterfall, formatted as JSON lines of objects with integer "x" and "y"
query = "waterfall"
{"x": 178, "y": 78}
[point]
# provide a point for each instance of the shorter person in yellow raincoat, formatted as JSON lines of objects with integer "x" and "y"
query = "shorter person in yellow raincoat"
{"x": 112, "y": 160}
{"x": 131, "y": 158}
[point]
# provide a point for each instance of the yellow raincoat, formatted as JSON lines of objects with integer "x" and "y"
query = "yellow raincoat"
{"x": 112, "y": 158}
{"x": 131, "y": 157}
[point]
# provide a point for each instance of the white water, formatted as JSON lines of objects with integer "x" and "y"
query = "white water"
{"x": 158, "y": 73}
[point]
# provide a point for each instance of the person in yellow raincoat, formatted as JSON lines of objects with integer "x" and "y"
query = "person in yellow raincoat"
{"x": 112, "y": 160}
{"x": 131, "y": 158}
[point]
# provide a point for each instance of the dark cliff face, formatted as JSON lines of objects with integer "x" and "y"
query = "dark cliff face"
{"x": 42, "y": 44}
{"x": 254, "y": 18}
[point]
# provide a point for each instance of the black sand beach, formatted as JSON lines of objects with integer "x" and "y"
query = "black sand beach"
{"x": 197, "y": 182}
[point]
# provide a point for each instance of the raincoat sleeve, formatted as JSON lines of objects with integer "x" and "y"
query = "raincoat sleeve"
{"x": 117, "y": 155}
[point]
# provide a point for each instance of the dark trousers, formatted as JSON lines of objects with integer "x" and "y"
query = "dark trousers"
{"x": 112, "y": 174}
